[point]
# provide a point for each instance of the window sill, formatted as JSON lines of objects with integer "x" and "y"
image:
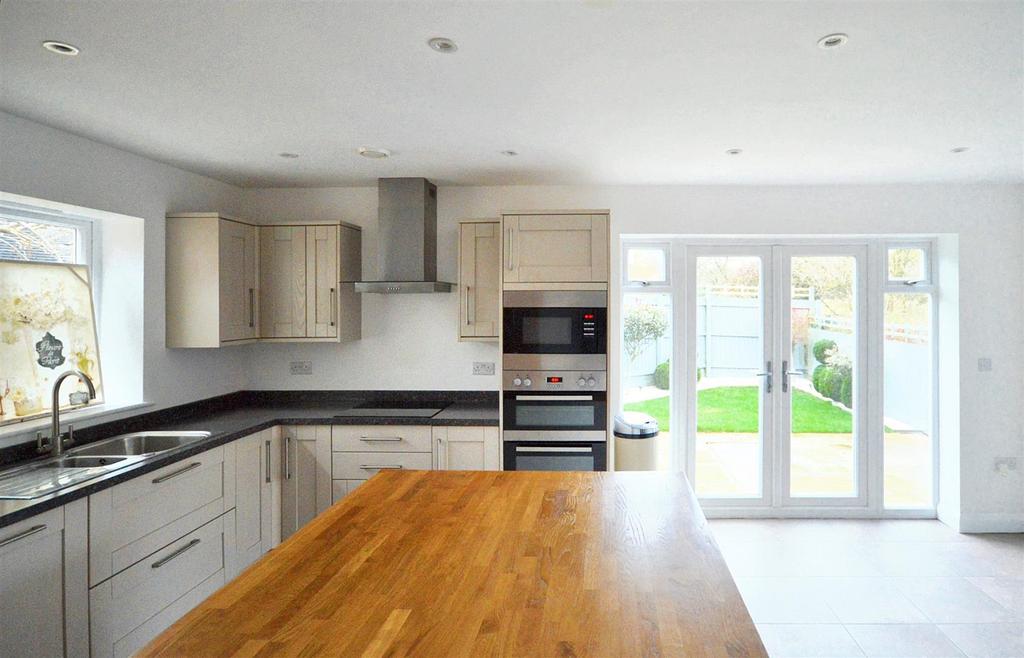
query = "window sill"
{"x": 12, "y": 435}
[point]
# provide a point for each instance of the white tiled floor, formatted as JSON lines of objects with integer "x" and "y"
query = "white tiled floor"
{"x": 895, "y": 589}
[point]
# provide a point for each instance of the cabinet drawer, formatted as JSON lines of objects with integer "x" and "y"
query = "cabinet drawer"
{"x": 134, "y": 519}
{"x": 342, "y": 488}
{"x": 380, "y": 438}
{"x": 129, "y": 600}
{"x": 363, "y": 465}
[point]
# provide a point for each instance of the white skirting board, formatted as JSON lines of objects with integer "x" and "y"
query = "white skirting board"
{"x": 974, "y": 522}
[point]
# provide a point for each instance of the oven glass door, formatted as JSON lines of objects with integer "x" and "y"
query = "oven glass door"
{"x": 529, "y": 456}
{"x": 554, "y": 330}
{"x": 556, "y": 411}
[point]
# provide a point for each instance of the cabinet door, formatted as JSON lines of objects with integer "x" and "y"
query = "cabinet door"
{"x": 283, "y": 282}
{"x": 44, "y": 585}
{"x": 322, "y": 281}
{"x": 556, "y": 248}
{"x": 479, "y": 279}
{"x": 254, "y": 498}
{"x": 306, "y": 487}
{"x": 350, "y": 267}
{"x": 237, "y": 269}
{"x": 467, "y": 448}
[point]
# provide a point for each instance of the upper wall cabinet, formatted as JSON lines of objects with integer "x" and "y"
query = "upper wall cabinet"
{"x": 555, "y": 248}
{"x": 211, "y": 280}
{"x": 479, "y": 279}
{"x": 282, "y": 283}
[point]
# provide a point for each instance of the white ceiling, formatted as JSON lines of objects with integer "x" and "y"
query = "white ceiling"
{"x": 601, "y": 91}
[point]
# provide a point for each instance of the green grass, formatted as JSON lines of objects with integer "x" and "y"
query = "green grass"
{"x": 734, "y": 409}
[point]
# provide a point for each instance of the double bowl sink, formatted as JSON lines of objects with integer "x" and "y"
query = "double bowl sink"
{"x": 89, "y": 461}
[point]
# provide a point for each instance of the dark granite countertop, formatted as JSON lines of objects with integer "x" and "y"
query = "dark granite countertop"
{"x": 233, "y": 416}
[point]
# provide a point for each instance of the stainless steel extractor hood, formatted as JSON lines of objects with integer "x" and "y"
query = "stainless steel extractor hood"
{"x": 406, "y": 238}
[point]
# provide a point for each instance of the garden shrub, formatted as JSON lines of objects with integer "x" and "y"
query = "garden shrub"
{"x": 846, "y": 391}
{"x": 822, "y": 349}
{"x": 661, "y": 376}
{"x": 821, "y": 378}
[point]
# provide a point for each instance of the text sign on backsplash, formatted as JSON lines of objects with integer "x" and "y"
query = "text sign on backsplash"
{"x": 51, "y": 351}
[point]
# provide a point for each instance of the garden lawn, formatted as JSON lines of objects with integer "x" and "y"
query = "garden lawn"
{"x": 734, "y": 409}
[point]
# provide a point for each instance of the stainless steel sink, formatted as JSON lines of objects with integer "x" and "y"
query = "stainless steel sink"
{"x": 139, "y": 443}
{"x": 89, "y": 461}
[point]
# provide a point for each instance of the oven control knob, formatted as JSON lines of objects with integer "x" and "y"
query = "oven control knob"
{"x": 527, "y": 382}
{"x": 581, "y": 381}
{"x": 591, "y": 382}
{"x": 517, "y": 382}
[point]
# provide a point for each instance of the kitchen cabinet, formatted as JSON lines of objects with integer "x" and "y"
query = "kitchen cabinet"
{"x": 44, "y": 587}
{"x": 361, "y": 451}
{"x": 306, "y": 475}
{"x": 257, "y": 496}
{"x": 211, "y": 287}
{"x": 283, "y": 272}
{"x": 479, "y": 280}
{"x": 467, "y": 448}
{"x": 545, "y": 248}
{"x": 307, "y": 282}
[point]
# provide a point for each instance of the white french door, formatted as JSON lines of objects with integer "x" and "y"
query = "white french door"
{"x": 776, "y": 347}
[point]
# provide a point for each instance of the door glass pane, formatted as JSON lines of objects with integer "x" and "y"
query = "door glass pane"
{"x": 730, "y": 354}
{"x": 822, "y": 363}
{"x": 908, "y": 400}
{"x": 555, "y": 415}
{"x": 646, "y": 371}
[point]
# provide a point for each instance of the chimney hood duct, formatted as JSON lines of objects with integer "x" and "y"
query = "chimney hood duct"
{"x": 406, "y": 238}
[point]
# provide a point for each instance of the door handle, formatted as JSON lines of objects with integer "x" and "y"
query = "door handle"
{"x": 767, "y": 374}
{"x": 252, "y": 307}
{"x": 164, "y": 560}
{"x": 508, "y": 249}
{"x": 381, "y": 467}
{"x": 287, "y": 458}
{"x": 469, "y": 306}
{"x": 181, "y": 471}
{"x": 371, "y": 439}
{"x": 21, "y": 535}
{"x": 787, "y": 373}
{"x": 334, "y": 306}
{"x": 268, "y": 461}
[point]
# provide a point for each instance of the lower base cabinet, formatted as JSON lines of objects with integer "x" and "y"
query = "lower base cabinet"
{"x": 467, "y": 448}
{"x": 44, "y": 584}
{"x": 134, "y": 606}
{"x": 257, "y": 497}
{"x": 305, "y": 473}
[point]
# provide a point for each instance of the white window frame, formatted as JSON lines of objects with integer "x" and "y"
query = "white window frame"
{"x": 903, "y": 285}
{"x": 633, "y": 285}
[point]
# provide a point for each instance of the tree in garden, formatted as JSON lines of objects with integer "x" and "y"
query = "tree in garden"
{"x": 643, "y": 323}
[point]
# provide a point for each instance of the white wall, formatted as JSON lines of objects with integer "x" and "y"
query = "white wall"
{"x": 42, "y": 162}
{"x": 410, "y": 341}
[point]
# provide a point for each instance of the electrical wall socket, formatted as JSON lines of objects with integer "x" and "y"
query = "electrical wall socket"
{"x": 483, "y": 367}
{"x": 1006, "y": 464}
{"x": 302, "y": 367}
{"x": 984, "y": 364}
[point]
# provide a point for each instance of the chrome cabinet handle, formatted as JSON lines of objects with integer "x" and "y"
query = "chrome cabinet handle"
{"x": 21, "y": 535}
{"x": 268, "y": 462}
{"x": 334, "y": 307}
{"x": 767, "y": 374}
{"x": 287, "y": 458}
{"x": 469, "y": 306}
{"x": 381, "y": 467}
{"x": 508, "y": 249}
{"x": 252, "y": 307}
{"x": 787, "y": 373}
{"x": 181, "y": 471}
{"x": 552, "y": 449}
{"x": 164, "y": 560}
{"x": 441, "y": 452}
{"x": 372, "y": 439}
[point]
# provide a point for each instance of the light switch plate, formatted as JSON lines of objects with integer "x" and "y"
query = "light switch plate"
{"x": 483, "y": 367}
{"x": 984, "y": 364}
{"x": 302, "y": 367}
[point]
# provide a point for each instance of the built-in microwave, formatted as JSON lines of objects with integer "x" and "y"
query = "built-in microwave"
{"x": 555, "y": 322}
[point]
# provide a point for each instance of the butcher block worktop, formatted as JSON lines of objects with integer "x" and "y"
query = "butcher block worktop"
{"x": 444, "y": 563}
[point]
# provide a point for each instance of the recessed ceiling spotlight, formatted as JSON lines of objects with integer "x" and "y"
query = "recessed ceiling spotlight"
{"x": 733, "y": 151}
{"x": 510, "y": 153}
{"x": 833, "y": 40}
{"x": 290, "y": 156}
{"x": 374, "y": 153}
{"x": 443, "y": 45}
{"x": 959, "y": 149}
{"x": 61, "y": 48}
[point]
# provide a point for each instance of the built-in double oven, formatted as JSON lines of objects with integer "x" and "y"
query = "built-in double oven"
{"x": 554, "y": 400}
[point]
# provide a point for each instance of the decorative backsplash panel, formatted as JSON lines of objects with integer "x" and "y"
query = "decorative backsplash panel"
{"x": 47, "y": 326}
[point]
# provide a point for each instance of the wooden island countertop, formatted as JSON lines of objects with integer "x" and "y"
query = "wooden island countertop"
{"x": 445, "y": 563}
